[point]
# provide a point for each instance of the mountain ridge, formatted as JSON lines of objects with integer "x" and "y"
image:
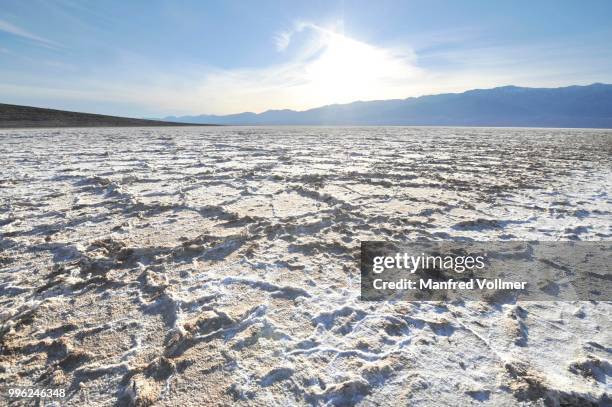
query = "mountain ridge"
{"x": 508, "y": 106}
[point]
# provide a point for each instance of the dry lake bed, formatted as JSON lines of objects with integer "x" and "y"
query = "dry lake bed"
{"x": 220, "y": 266}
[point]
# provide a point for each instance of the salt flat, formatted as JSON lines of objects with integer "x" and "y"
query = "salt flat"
{"x": 218, "y": 266}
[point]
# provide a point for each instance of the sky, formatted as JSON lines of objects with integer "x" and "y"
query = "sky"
{"x": 156, "y": 58}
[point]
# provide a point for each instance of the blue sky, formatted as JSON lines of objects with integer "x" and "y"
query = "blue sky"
{"x": 155, "y": 58}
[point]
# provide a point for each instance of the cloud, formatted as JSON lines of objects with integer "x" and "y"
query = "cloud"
{"x": 282, "y": 40}
{"x": 20, "y": 32}
{"x": 326, "y": 67}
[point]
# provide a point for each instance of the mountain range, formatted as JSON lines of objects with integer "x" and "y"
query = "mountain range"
{"x": 571, "y": 106}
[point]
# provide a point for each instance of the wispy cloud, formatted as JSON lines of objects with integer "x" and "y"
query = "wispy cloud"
{"x": 326, "y": 68}
{"x": 12, "y": 29}
{"x": 281, "y": 40}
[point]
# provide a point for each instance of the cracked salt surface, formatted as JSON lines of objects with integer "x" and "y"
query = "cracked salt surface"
{"x": 219, "y": 266}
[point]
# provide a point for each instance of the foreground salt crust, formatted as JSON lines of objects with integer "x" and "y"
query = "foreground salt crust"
{"x": 219, "y": 266}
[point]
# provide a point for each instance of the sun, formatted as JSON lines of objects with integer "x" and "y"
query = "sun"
{"x": 348, "y": 70}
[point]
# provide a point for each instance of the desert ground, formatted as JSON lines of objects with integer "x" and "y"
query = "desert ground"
{"x": 220, "y": 265}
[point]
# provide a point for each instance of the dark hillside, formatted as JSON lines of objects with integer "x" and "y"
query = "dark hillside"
{"x": 14, "y": 116}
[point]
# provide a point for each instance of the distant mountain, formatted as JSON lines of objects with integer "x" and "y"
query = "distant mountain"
{"x": 572, "y": 106}
{"x": 25, "y": 116}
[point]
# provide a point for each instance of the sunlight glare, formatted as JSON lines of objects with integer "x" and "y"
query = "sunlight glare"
{"x": 347, "y": 69}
